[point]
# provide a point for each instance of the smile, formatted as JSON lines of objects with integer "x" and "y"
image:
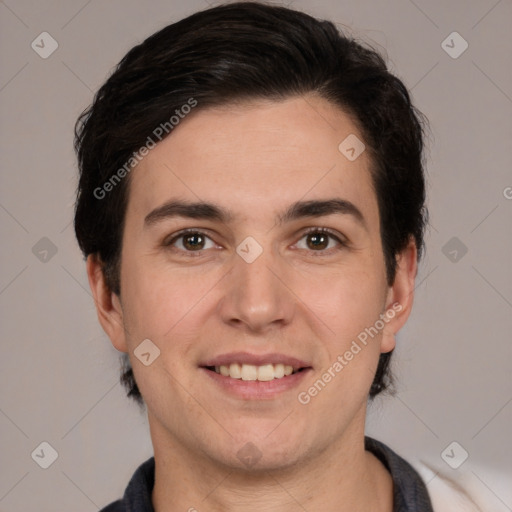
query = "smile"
{"x": 249, "y": 376}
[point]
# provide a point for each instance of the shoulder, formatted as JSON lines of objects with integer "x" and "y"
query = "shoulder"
{"x": 137, "y": 496}
{"x": 409, "y": 491}
{"x": 117, "y": 506}
{"x": 457, "y": 492}
{"x": 441, "y": 491}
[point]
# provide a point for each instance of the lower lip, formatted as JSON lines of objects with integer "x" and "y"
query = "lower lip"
{"x": 255, "y": 389}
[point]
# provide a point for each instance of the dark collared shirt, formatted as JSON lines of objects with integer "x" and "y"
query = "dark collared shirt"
{"x": 409, "y": 491}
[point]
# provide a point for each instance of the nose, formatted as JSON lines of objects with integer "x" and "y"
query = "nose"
{"x": 257, "y": 295}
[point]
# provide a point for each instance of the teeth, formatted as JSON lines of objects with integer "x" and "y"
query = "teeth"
{"x": 262, "y": 373}
{"x": 235, "y": 371}
{"x": 249, "y": 372}
{"x": 278, "y": 371}
{"x": 266, "y": 372}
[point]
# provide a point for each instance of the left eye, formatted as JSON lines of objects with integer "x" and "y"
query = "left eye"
{"x": 192, "y": 241}
{"x": 319, "y": 240}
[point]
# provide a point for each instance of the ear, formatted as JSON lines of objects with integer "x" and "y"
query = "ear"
{"x": 400, "y": 295}
{"x": 108, "y": 304}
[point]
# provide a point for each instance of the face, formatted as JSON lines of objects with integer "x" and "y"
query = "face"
{"x": 251, "y": 248}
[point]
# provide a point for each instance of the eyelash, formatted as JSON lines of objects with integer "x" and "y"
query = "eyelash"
{"x": 181, "y": 234}
{"x": 315, "y": 230}
{"x": 331, "y": 234}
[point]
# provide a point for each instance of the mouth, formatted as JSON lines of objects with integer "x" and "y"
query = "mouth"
{"x": 250, "y": 376}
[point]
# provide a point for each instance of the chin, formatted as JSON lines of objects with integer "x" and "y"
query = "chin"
{"x": 260, "y": 450}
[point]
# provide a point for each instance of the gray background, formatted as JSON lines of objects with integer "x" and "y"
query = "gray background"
{"x": 59, "y": 373}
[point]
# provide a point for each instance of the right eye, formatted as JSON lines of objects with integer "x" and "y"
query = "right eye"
{"x": 191, "y": 241}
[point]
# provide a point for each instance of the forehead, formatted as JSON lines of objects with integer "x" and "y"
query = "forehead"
{"x": 256, "y": 157}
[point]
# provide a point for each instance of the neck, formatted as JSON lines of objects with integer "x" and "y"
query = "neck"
{"x": 342, "y": 478}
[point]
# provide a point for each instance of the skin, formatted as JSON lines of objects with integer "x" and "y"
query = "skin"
{"x": 297, "y": 299}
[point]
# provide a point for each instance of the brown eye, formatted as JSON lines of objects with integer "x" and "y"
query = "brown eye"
{"x": 190, "y": 241}
{"x": 193, "y": 241}
{"x": 320, "y": 240}
{"x": 317, "y": 241}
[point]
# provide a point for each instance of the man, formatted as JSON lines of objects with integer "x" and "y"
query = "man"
{"x": 251, "y": 206}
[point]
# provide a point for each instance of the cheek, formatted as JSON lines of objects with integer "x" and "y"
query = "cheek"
{"x": 349, "y": 307}
{"x": 342, "y": 388}
{"x": 168, "y": 312}
{"x": 347, "y": 301}
{"x": 159, "y": 302}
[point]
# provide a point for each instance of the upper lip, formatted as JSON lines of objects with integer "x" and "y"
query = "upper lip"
{"x": 255, "y": 359}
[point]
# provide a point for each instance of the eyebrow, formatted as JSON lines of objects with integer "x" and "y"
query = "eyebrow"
{"x": 320, "y": 208}
{"x": 210, "y": 211}
{"x": 197, "y": 210}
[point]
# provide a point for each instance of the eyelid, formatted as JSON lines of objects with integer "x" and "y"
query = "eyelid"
{"x": 342, "y": 241}
{"x": 170, "y": 240}
{"x": 328, "y": 231}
